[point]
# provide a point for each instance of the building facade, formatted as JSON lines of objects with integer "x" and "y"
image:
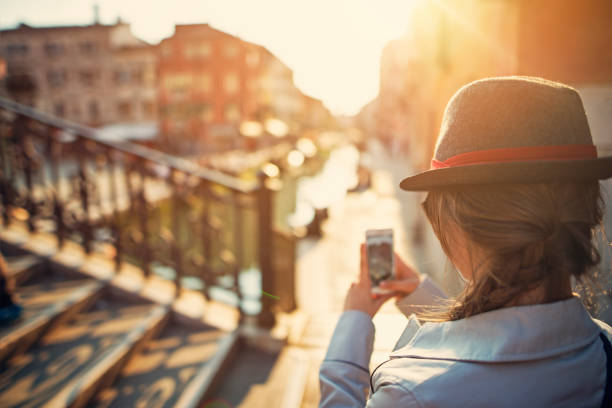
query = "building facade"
{"x": 211, "y": 81}
{"x": 207, "y": 80}
{"x": 95, "y": 74}
{"x": 194, "y": 88}
{"x": 449, "y": 44}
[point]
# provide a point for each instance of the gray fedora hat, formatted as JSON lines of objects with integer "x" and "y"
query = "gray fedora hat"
{"x": 512, "y": 130}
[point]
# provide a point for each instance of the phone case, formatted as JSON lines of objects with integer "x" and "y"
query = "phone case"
{"x": 383, "y": 267}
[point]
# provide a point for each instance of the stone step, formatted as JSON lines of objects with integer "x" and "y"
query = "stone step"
{"x": 285, "y": 385}
{"x": 23, "y": 267}
{"x": 45, "y": 304}
{"x": 175, "y": 369}
{"x": 264, "y": 379}
{"x": 250, "y": 368}
{"x": 82, "y": 355}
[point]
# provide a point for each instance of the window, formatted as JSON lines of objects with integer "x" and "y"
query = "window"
{"x": 125, "y": 109}
{"x": 53, "y": 49}
{"x": 231, "y": 50}
{"x": 178, "y": 81}
{"x": 164, "y": 111}
{"x": 148, "y": 76}
{"x": 208, "y": 114}
{"x": 88, "y": 77}
{"x": 148, "y": 107}
{"x": 231, "y": 83}
{"x": 252, "y": 59}
{"x": 138, "y": 76}
{"x": 202, "y": 49}
{"x": 178, "y": 85}
{"x": 122, "y": 77}
{"x": 14, "y": 50}
{"x": 93, "y": 110}
{"x": 205, "y": 112}
{"x": 56, "y": 77}
{"x": 59, "y": 109}
{"x": 178, "y": 125}
{"x": 176, "y": 111}
{"x": 203, "y": 82}
{"x": 232, "y": 112}
{"x": 88, "y": 47}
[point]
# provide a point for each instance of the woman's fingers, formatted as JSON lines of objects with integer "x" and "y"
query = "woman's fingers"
{"x": 364, "y": 276}
{"x": 359, "y": 296}
{"x": 405, "y": 286}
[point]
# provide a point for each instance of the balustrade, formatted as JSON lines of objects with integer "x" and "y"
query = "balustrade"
{"x": 169, "y": 216}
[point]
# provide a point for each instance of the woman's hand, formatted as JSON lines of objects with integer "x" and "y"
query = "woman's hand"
{"x": 406, "y": 279}
{"x": 359, "y": 296}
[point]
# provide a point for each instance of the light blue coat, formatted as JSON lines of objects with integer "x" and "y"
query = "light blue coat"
{"x": 546, "y": 355}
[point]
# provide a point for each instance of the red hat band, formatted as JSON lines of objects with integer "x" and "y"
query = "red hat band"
{"x": 527, "y": 153}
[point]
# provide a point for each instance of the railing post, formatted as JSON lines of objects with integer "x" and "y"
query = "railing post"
{"x": 116, "y": 220}
{"x": 85, "y": 223}
{"x": 5, "y": 192}
{"x": 206, "y": 236}
{"x": 177, "y": 210}
{"x": 284, "y": 269}
{"x": 54, "y": 152}
{"x": 238, "y": 249}
{"x": 28, "y": 159}
{"x": 143, "y": 208}
{"x": 5, "y": 174}
{"x": 266, "y": 316}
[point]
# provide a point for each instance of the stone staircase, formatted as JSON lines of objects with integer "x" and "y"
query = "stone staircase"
{"x": 81, "y": 342}
{"x": 78, "y": 212}
{"x": 86, "y": 340}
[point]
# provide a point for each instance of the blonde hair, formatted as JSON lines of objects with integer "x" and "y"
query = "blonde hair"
{"x": 535, "y": 236}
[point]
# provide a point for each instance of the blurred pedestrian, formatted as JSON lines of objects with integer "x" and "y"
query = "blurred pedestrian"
{"x": 514, "y": 198}
{"x": 9, "y": 310}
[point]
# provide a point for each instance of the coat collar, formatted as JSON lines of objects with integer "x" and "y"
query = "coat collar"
{"x": 510, "y": 334}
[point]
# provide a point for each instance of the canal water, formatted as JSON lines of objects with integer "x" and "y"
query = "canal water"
{"x": 338, "y": 175}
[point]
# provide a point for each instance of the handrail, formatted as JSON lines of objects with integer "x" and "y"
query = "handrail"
{"x": 140, "y": 151}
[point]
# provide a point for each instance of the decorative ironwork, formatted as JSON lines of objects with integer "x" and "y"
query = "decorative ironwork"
{"x": 196, "y": 226}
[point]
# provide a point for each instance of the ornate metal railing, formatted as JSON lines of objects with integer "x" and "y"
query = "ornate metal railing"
{"x": 197, "y": 226}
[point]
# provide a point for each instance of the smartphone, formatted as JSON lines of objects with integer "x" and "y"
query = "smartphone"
{"x": 381, "y": 262}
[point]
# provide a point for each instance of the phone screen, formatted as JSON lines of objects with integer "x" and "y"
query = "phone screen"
{"x": 379, "y": 247}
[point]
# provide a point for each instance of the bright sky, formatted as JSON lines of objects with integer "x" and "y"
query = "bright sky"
{"x": 333, "y": 46}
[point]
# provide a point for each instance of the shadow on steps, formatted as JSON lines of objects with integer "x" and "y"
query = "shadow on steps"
{"x": 249, "y": 368}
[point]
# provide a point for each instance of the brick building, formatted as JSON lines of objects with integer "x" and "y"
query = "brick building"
{"x": 206, "y": 79}
{"x": 95, "y": 74}
{"x": 196, "y": 86}
{"x": 211, "y": 81}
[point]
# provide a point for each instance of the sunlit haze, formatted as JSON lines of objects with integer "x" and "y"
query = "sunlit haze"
{"x": 332, "y": 46}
